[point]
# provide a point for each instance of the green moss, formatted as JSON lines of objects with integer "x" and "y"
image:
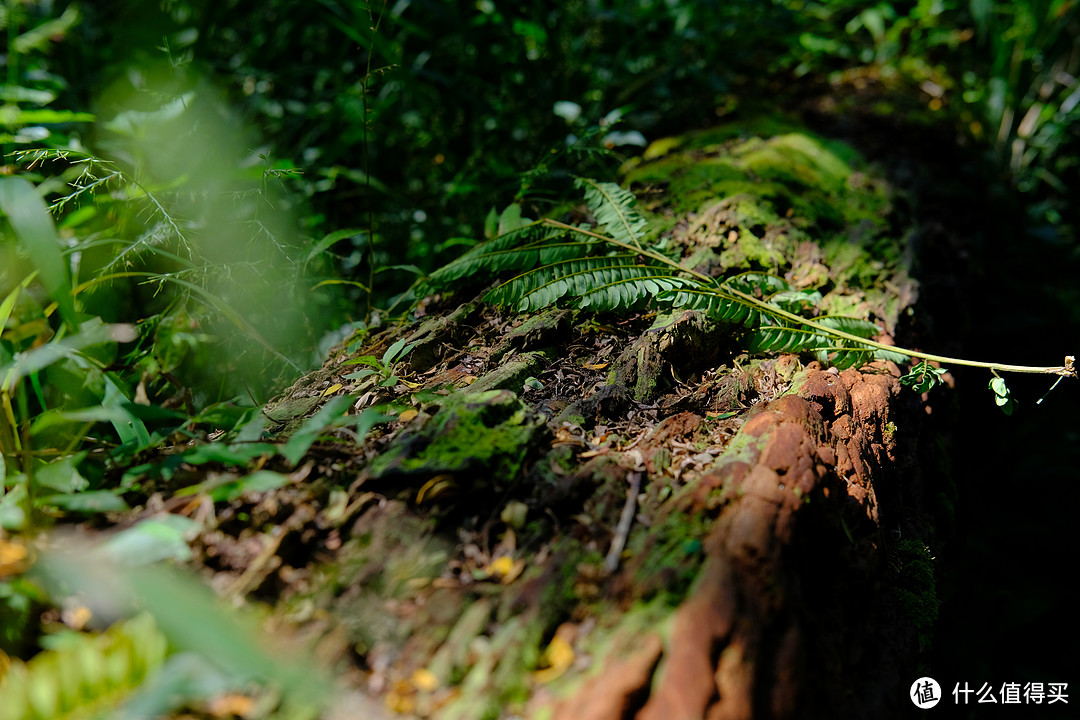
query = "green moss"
{"x": 473, "y": 436}
{"x": 750, "y": 253}
{"x": 889, "y": 430}
{"x": 670, "y": 556}
{"x": 790, "y": 203}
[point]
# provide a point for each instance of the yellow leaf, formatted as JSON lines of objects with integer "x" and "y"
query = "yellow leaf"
{"x": 332, "y": 389}
{"x": 12, "y": 558}
{"x": 227, "y": 706}
{"x": 408, "y": 415}
{"x": 424, "y": 679}
{"x": 559, "y": 654}
{"x": 434, "y": 487}
{"x": 505, "y": 568}
{"x": 597, "y": 366}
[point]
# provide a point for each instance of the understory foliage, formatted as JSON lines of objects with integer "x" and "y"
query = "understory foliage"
{"x": 146, "y": 288}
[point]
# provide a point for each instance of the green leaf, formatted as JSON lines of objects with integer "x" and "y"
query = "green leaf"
{"x": 62, "y": 475}
{"x": 796, "y": 301}
{"x": 491, "y": 223}
{"x": 92, "y": 333}
{"x": 234, "y": 455}
{"x": 45, "y": 117}
{"x": 17, "y": 94}
{"x": 129, "y": 428}
{"x": 33, "y": 226}
{"x": 510, "y": 219}
{"x": 615, "y": 209}
{"x": 152, "y": 540}
{"x": 923, "y": 377}
{"x": 395, "y": 352}
{"x": 330, "y": 240}
{"x": 38, "y": 37}
{"x": 303, "y": 438}
{"x": 364, "y": 360}
{"x": 90, "y": 502}
{"x": 1002, "y": 395}
{"x": 753, "y": 283}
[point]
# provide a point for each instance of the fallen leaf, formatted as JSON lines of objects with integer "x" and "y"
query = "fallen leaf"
{"x": 231, "y": 705}
{"x": 505, "y": 568}
{"x": 559, "y": 654}
{"x": 12, "y": 558}
{"x": 424, "y": 679}
{"x": 435, "y": 487}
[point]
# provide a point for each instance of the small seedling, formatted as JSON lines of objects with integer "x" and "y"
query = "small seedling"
{"x": 382, "y": 367}
{"x": 923, "y": 377}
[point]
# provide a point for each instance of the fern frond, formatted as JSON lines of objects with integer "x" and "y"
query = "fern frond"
{"x": 851, "y": 353}
{"x": 614, "y": 209}
{"x": 556, "y": 260}
{"x": 641, "y": 282}
{"x": 716, "y": 304}
{"x": 89, "y": 676}
{"x": 600, "y": 283}
{"x": 821, "y": 339}
{"x": 784, "y": 338}
{"x": 518, "y": 249}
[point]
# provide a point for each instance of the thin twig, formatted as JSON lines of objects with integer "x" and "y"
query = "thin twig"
{"x": 622, "y": 530}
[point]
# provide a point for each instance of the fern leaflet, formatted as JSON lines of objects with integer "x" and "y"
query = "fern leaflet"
{"x": 614, "y": 208}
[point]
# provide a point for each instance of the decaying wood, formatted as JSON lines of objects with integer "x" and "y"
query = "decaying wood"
{"x": 581, "y": 517}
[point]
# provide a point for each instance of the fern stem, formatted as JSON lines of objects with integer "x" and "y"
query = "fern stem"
{"x": 1066, "y": 370}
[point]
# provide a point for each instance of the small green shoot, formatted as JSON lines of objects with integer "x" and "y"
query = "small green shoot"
{"x": 333, "y": 415}
{"x": 383, "y": 367}
{"x": 923, "y": 377}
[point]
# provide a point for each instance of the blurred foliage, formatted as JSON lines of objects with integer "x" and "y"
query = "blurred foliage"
{"x": 410, "y": 119}
{"x": 1007, "y": 74}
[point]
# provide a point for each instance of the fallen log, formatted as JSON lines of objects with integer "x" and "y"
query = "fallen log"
{"x": 580, "y": 515}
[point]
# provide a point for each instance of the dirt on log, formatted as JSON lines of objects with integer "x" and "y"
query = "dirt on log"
{"x": 568, "y": 515}
{"x": 785, "y": 617}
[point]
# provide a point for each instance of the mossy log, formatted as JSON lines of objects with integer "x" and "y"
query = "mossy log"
{"x": 592, "y": 517}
